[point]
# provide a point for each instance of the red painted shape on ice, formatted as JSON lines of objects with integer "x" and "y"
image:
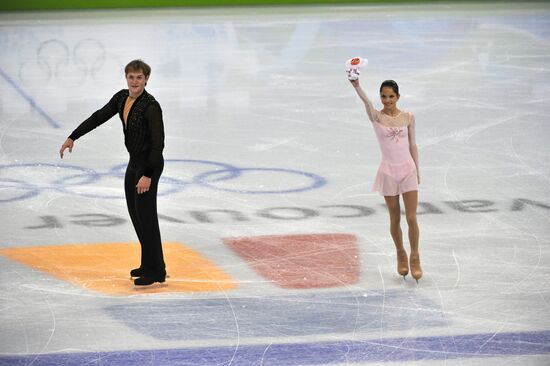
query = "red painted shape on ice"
{"x": 301, "y": 261}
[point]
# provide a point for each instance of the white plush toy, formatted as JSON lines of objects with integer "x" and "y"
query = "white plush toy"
{"x": 353, "y": 65}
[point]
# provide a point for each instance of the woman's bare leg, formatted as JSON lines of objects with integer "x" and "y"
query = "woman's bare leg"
{"x": 392, "y": 202}
{"x": 411, "y": 203}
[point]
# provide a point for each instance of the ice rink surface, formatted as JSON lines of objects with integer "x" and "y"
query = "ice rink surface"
{"x": 277, "y": 250}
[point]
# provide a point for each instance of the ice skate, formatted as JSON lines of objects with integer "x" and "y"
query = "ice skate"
{"x": 147, "y": 280}
{"x": 136, "y": 272}
{"x": 402, "y": 263}
{"x": 416, "y": 269}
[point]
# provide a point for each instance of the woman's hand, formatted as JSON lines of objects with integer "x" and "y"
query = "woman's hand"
{"x": 353, "y": 77}
{"x": 143, "y": 184}
{"x": 68, "y": 144}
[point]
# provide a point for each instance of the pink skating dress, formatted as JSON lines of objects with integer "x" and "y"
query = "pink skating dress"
{"x": 397, "y": 172}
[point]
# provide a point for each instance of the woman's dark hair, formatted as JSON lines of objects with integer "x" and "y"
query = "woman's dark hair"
{"x": 390, "y": 84}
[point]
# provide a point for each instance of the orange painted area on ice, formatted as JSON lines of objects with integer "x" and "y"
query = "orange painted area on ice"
{"x": 105, "y": 267}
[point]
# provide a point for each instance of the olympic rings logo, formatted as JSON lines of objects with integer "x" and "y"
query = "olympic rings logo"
{"x": 69, "y": 65}
{"x": 18, "y": 181}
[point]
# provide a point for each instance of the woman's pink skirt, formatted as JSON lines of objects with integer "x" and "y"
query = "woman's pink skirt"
{"x": 396, "y": 179}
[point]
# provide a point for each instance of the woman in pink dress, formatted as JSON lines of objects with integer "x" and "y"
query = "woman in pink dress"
{"x": 398, "y": 171}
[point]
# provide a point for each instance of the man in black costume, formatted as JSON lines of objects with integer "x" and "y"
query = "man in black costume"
{"x": 143, "y": 128}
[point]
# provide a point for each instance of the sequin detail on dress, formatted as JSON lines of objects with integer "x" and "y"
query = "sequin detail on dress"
{"x": 395, "y": 133}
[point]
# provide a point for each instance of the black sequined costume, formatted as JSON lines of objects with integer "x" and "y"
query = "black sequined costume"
{"x": 144, "y": 140}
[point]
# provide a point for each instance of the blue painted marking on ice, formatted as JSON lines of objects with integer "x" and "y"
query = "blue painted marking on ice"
{"x": 281, "y": 316}
{"x": 29, "y": 99}
{"x": 319, "y": 353}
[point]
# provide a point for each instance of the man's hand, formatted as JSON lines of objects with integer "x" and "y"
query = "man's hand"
{"x": 143, "y": 184}
{"x": 68, "y": 144}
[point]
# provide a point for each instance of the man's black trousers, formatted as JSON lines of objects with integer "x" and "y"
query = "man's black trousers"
{"x": 143, "y": 212}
